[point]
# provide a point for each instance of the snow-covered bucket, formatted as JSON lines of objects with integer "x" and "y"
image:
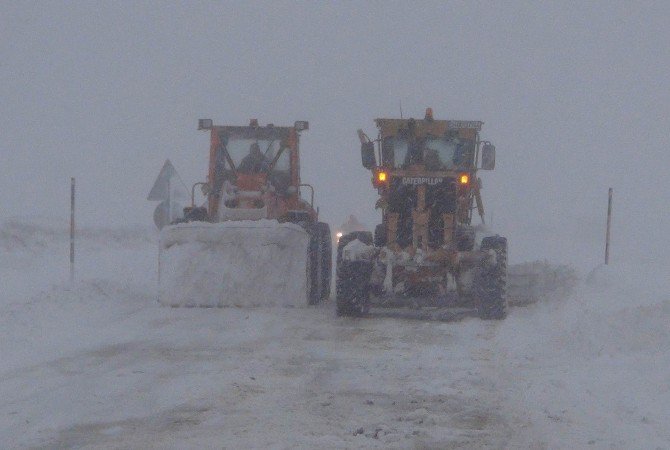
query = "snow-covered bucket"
{"x": 243, "y": 263}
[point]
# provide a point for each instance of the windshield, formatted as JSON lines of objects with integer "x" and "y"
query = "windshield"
{"x": 437, "y": 153}
{"x": 238, "y": 149}
{"x": 251, "y": 155}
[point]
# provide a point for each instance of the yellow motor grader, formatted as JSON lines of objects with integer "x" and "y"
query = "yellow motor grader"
{"x": 426, "y": 251}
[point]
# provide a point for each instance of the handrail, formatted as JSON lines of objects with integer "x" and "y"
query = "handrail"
{"x": 312, "y": 188}
{"x": 201, "y": 183}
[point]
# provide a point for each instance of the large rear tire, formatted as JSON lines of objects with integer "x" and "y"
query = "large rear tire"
{"x": 491, "y": 280}
{"x": 320, "y": 262}
{"x": 325, "y": 258}
{"x": 353, "y": 279}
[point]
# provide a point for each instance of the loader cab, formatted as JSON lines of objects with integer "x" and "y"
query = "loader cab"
{"x": 253, "y": 168}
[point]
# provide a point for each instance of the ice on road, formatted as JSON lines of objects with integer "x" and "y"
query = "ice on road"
{"x": 102, "y": 365}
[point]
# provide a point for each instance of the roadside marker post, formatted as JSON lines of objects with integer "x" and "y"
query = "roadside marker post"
{"x": 72, "y": 194}
{"x": 609, "y": 224}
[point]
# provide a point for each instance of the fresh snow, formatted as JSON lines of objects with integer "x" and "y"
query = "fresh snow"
{"x": 245, "y": 263}
{"x": 357, "y": 251}
{"x": 103, "y": 365}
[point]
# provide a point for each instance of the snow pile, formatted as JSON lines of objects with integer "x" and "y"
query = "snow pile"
{"x": 595, "y": 366}
{"x": 624, "y": 308}
{"x": 35, "y": 254}
{"x": 630, "y": 305}
{"x": 247, "y": 263}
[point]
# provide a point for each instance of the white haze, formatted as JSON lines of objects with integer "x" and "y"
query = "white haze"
{"x": 575, "y": 96}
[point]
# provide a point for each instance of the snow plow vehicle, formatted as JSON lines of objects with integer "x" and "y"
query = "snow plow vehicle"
{"x": 426, "y": 251}
{"x": 255, "y": 241}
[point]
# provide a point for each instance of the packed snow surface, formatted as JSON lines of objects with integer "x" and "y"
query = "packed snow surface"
{"x": 245, "y": 263}
{"x": 102, "y": 364}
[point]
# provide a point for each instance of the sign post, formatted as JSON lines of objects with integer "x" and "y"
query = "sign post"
{"x": 169, "y": 199}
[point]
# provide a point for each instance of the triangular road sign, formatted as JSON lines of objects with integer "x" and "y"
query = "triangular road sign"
{"x": 168, "y": 184}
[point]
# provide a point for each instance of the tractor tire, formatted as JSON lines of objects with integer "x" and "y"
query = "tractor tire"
{"x": 490, "y": 281}
{"x": 320, "y": 266}
{"x": 352, "y": 283}
{"x": 353, "y": 288}
{"x": 325, "y": 258}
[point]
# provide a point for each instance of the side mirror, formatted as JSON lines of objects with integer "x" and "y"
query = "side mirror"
{"x": 301, "y": 125}
{"x": 368, "y": 155}
{"x": 205, "y": 124}
{"x": 488, "y": 156}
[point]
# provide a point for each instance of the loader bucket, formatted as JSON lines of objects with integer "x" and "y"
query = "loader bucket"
{"x": 243, "y": 263}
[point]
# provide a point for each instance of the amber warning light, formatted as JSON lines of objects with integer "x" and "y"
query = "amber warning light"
{"x": 465, "y": 178}
{"x": 380, "y": 178}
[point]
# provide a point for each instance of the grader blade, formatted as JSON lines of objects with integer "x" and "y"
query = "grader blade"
{"x": 532, "y": 282}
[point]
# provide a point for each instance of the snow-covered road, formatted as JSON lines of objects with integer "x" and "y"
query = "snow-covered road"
{"x": 104, "y": 366}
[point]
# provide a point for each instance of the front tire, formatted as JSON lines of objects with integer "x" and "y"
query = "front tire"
{"x": 352, "y": 283}
{"x": 353, "y": 288}
{"x": 491, "y": 281}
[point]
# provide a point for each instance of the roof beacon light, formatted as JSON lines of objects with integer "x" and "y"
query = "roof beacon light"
{"x": 381, "y": 177}
{"x": 465, "y": 178}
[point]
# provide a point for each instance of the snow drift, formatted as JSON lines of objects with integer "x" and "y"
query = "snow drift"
{"x": 594, "y": 366}
{"x": 246, "y": 263}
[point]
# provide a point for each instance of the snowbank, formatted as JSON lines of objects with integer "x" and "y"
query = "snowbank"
{"x": 35, "y": 255}
{"x": 248, "y": 263}
{"x": 595, "y": 366}
{"x": 618, "y": 308}
{"x": 35, "y": 235}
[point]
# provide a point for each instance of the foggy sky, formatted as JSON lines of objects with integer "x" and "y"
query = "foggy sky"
{"x": 576, "y": 98}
